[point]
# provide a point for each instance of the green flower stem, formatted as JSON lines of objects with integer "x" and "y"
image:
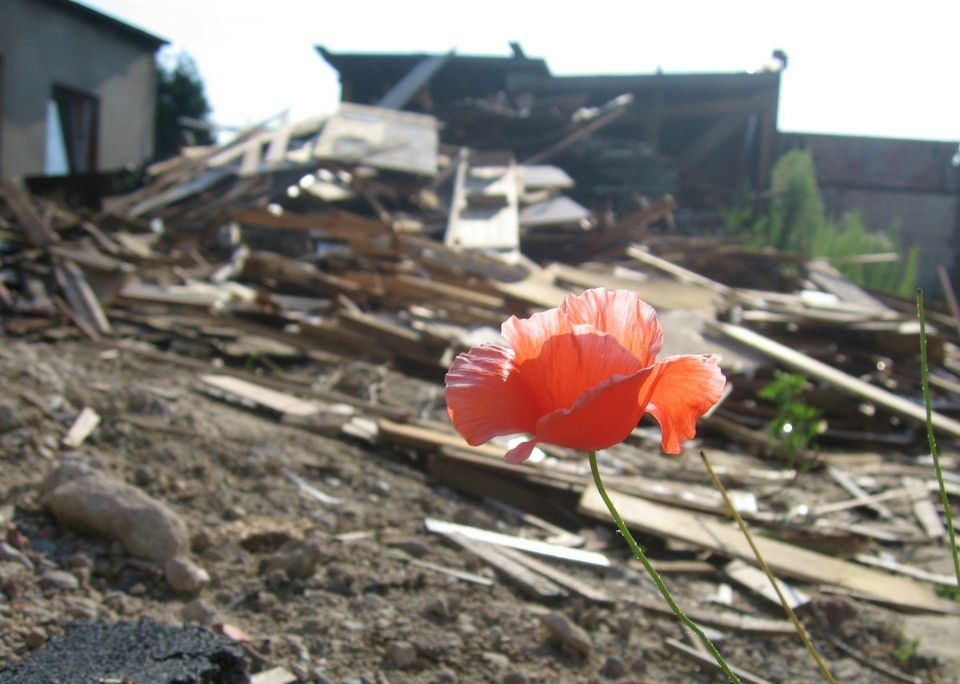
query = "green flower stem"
{"x": 925, "y": 381}
{"x": 641, "y": 556}
{"x": 824, "y": 672}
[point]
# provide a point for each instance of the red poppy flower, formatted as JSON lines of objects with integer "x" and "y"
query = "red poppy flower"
{"x": 580, "y": 376}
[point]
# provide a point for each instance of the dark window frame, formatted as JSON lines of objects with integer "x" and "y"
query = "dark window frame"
{"x": 79, "y": 114}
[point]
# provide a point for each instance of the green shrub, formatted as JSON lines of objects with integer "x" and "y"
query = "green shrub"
{"x": 794, "y": 221}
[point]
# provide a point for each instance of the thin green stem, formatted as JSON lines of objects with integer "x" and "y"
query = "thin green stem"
{"x": 824, "y": 671}
{"x": 642, "y": 557}
{"x": 925, "y": 381}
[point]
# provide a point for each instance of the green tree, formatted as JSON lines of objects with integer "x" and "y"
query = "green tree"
{"x": 180, "y": 93}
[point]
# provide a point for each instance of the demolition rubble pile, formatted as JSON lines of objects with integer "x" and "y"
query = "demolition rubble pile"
{"x": 322, "y": 275}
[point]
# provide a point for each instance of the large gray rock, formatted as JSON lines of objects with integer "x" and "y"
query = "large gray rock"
{"x": 90, "y": 501}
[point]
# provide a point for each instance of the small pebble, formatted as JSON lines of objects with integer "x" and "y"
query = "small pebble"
{"x": 82, "y": 609}
{"x": 401, "y": 654}
{"x": 497, "y": 660}
{"x": 613, "y": 668}
{"x": 570, "y": 635}
{"x": 184, "y": 576}
{"x": 198, "y": 611}
{"x": 58, "y": 579}
{"x": 13, "y": 555}
{"x": 35, "y": 638}
{"x": 439, "y": 607}
{"x": 80, "y": 560}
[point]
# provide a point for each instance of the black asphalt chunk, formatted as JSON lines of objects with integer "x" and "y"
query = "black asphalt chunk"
{"x": 145, "y": 652}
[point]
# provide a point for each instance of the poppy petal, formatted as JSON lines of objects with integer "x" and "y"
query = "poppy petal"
{"x": 528, "y": 335}
{"x": 621, "y": 314}
{"x": 486, "y": 397}
{"x": 572, "y": 363}
{"x": 602, "y": 416}
{"x": 685, "y": 389}
{"x": 520, "y": 453}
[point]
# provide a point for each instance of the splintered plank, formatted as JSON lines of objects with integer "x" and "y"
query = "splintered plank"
{"x": 452, "y": 572}
{"x": 261, "y": 396}
{"x": 784, "y": 559}
{"x": 682, "y": 274}
{"x": 708, "y": 662}
{"x": 566, "y": 580}
{"x": 487, "y": 455}
{"x": 513, "y": 542}
{"x": 757, "y": 581}
{"x": 746, "y": 624}
{"x": 528, "y": 581}
{"x": 37, "y": 229}
{"x": 338, "y": 223}
{"x": 842, "y": 381}
{"x": 923, "y": 509}
{"x": 84, "y": 425}
{"x": 81, "y": 296}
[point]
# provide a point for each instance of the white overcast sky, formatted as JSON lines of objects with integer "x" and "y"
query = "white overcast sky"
{"x": 864, "y": 68}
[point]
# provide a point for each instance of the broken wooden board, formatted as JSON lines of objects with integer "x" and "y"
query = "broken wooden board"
{"x": 195, "y": 294}
{"x": 840, "y": 380}
{"x": 907, "y": 570}
{"x": 844, "y": 479}
{"x": 267, "y": 266}
{"x": 746, "y": 624}
{"x": 400, "y": 340}
{"x": 382, "y": 138}
{"x": 682, "y": 274}
{"x": 866, "y": 500}
{"x": 484, "y": 209}
{"x": 829, "y": 279}
{"x": 310, "y": 490}
{"x": 81, "y": 296}
{"x": 89, "y": 258}
{"x": 38, "y": 230}
{"x": 510, "y": 541}
{"x": 463, "y": 575}
{"x": 84, "y": 425}
{"x": 784, "y": 559}
{"x": 432, "y": 290}
{"x": 528, "y": 581}
{"x": 335, "y": 222}
{"x": 525, "y": 488}
{"x": 565, "y": 580}
{"x": 757, "y": 581}
{"x": 452, "y": 447}
{"x": 279, "y": 402}
{"x": 708, "y": 662}
{"x": 923, "y": 509}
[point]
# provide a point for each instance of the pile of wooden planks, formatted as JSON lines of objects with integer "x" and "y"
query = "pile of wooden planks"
{"x": 286, "y": 247}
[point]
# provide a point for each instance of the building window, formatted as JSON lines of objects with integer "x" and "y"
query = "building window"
{"x": 72, "y": 127}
